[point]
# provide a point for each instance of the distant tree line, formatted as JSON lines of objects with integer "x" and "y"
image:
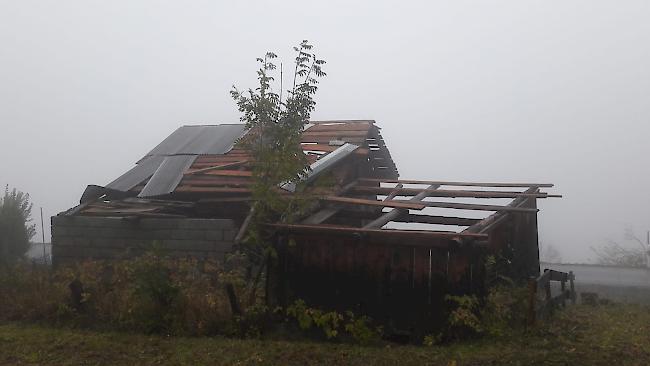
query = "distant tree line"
{"x": 615, "y": 254}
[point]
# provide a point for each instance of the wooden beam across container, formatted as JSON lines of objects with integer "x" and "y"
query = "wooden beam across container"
{"x": 412, "y": 237}
{"x": 446, "y": 192}
{"x": 452, "y": 183}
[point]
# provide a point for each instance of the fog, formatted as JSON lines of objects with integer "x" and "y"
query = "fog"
{"x": 540, "y": 91}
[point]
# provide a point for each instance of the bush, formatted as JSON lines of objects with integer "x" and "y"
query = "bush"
{"x": 463, "y": 319}
{"x": 33, "y": 293}
{"x": 151, "y": 294}
{"x": 333, "y": 324}
{"x": 505, "y": 310}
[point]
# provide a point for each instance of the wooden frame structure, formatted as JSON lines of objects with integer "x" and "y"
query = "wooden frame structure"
{"x": 359, "y": 203}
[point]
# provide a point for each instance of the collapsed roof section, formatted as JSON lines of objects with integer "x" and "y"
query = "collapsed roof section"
{"x": 423, "y": 211}
{"x": 198, "y": 171}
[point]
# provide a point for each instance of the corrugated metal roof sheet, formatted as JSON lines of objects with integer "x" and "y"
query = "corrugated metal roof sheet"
{"x": 185, "y": 141}
{"x": 167, "y": 176}
{"x": 200, "y": 140}
{"x": 323, "y": 164}
{"x": 137, "y": 174}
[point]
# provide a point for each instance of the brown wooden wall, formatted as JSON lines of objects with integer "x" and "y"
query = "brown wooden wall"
{"x": 402, "y": 286}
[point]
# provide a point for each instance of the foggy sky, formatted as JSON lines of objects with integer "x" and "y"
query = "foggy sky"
{"x": 541, "y": 91}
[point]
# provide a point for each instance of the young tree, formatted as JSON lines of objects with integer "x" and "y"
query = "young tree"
{"x": 275, "y": 128}
{"x": 15, "y": 227}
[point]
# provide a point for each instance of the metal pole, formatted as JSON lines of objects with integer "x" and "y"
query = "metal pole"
{"x": 647, "y": 250}
{"x": 43, "y": 234}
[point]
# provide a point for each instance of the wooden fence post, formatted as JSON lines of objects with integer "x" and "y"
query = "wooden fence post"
{"x": 532, "y": 301}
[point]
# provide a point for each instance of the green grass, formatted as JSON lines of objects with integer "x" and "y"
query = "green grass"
{"x": 579, "y": 335}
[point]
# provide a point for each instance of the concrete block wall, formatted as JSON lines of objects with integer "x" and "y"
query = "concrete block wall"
{"x": 75, "y": 238}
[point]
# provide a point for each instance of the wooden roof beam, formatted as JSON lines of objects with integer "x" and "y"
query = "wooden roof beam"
{"x": 472, "y": 206}
{"x": 366, "y": 202}
{"x": 412, "y": 237}
{"x": 392, "y": 215}
{"x": 484, "y": 225}
{"x": 447, "y": 193}
{"x": 452, "y": 183}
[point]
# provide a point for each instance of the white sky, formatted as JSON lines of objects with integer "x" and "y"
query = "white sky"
{"x": 548, "y": 91}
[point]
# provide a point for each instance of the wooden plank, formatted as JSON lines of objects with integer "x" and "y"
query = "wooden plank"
{"x": 223, "y": 166}
{"x": 334, "y": 133}
{"x": 452, "y": 183}
{"x": 496, "y": 218}
{"x": 389, "y": 216}
{"x": 471, "y": 206}
{"x": 191, "y": 189}
{"x": 360, "y": 141}
{"x": 210, "y": 183}
{"x": 230, "y": 173}
{"x": 437, "y": 220}
{"x": 557, "y": 275}
{"x": 391, "y": 203}
{"x": 359, "y": 126}
{"x": 206, "y": 159}
{"x": 225, "y": 200}
{"x": 401, "y": 234}
{"x": 218, "y": 181}
{"x": 326, "y": 213}
{"x": 446, "y": 192}
{"x": 394, "y": 193}
{"x": 330, "y": 148}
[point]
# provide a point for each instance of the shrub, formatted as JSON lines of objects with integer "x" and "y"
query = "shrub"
{"x": 150, "y": 293}
{"x": 505, "y": 309}
{"x": 33, "y": 293}
{"x": 333, "y": 324}
{"x": 463, "y": 319}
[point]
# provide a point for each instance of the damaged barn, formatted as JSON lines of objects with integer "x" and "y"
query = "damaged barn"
{"x": 375, "y": 244}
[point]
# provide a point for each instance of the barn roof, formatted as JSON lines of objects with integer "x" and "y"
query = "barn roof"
{"x": 184, "y": 161}
{"x": 199, "y": 170}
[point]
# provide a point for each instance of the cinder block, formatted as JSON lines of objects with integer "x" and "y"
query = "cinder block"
{"x": 158, "y": 234}
{"x": 188, "y": 245}
{"x": 223, "y": 246}
{"x": 212, "y": 234}
{"x": 206, "y": 224}
{"x": 87, "y": 221}
{"x": 188, "y": 234}
{"x": 160, "y": 224}
{"x": 229, "y": 235}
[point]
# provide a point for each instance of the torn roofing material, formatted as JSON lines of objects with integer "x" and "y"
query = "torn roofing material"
{"x": 143, "y": 170}
{"x": 185, "y": 141}
{"x": 323, "y": 164}
{"x": 167, "y": 176}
